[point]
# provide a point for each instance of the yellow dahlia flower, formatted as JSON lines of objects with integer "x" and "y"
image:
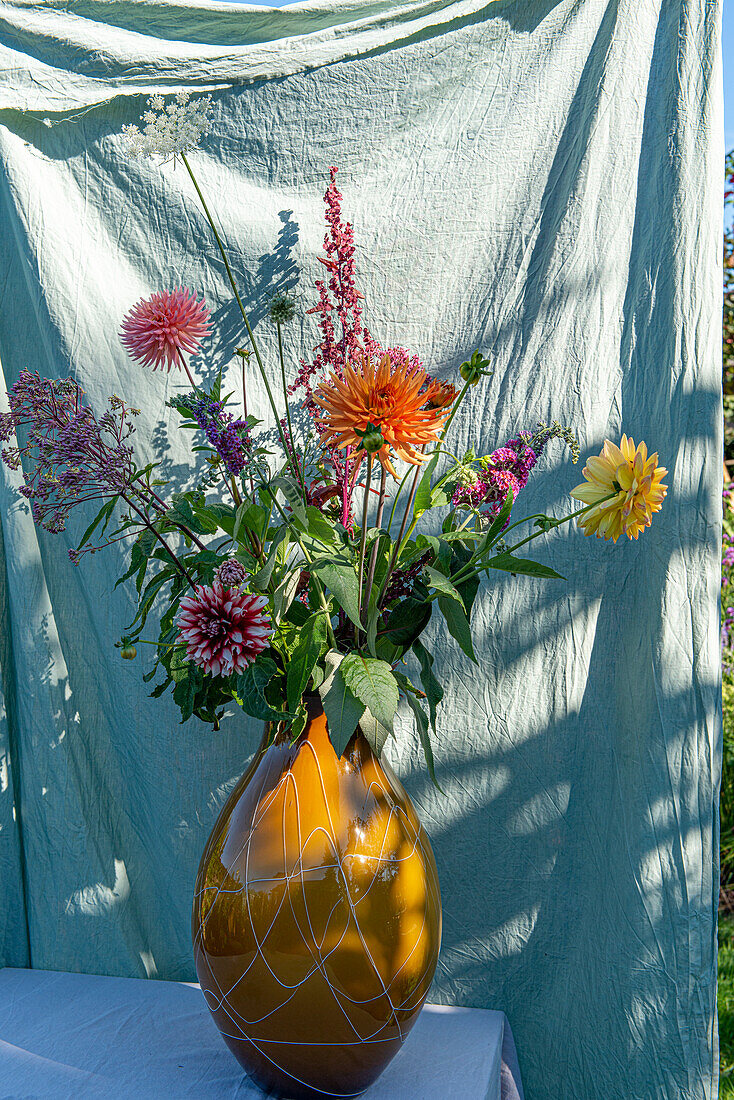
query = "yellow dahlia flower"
{"x": 636, "y": 482}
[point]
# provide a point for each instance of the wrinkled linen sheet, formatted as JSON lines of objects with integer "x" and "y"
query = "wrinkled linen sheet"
{"x": 80, "y": 1035}
{"x": 540, "y": 179}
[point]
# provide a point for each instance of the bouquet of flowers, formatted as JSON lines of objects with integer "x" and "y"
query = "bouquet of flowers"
{"x": 309, "y": 558}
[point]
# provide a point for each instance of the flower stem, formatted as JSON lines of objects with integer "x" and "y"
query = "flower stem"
{"x": 188, "y": 372}
{"x": 296, "y": 463}
{"x": 309, "y": 559}
{"x": 345, "y": 487}
{"x": 558, "y": 522}
{"x": 467, "y": 572}
{"x": 363, "y": 534}
{"x": 182, "y": 569}
{"x": 400, "y": 540}
{"x": 375, "y": 545}
{"x": 245, "y": 318}
{"x": 401, "y": 486}
{"x": 244, "y": 390}
{"x": 235, "y": 492}
{"x": 454, "y": 409}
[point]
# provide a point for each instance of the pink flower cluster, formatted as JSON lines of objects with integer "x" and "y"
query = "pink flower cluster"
{"x": 344, "y": 337}
{"x": 339, "y": 301}
{"x": 223, "y": 629}
{"x": 339, "y": 297}
{"x": 506, "y": 470}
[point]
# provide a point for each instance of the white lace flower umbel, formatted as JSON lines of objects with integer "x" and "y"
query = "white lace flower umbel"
{"x": 170, "y": 129}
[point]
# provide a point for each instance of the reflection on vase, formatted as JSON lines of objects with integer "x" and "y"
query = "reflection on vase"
{"x": 317, "y": 916}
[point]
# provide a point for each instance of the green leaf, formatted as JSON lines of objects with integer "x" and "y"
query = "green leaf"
{"x": 526, "y": 566}
{"x": 297, "y": 613}
{"x": 469, "y": 587}
{"x": 103, "y": 514}
{"x": 423, "y": 493}
{"x": 440, "y": 549}
{"x": 159, "y": 689}
{"x": 260, "y": 580}
{"x": 342, "y": 708}
{"x": 292, "y": 496}
{"x": 431, "y": 686}
{"x": 467, "y": 534}
{"x": 458, "y": 625}
{"x": 238, "y": 518}
{"x": 498, "y": 524}
{"x": 181, "y": 511}
{"x": 319, "y": 527}
{"x": 406, "y": 621}
{"x": 179, "y": 664}
{"x": 421, "y": 722}
{"x": 250, "y": 515}
{"x": 152, "y": 589}
{"x": 223, "y": 515}
{"x": 442, "y": 584}
{"x": 298, "y": 725}
{"x": 340, "y": 577}
{"x": 185, "y": 692}
{"x": 373, "y": 683}
{"x": 285, "y": 594}
{"x": 251, "y": 686}
{"x": 374, "y": 731}
{"x": 308, "y": 649}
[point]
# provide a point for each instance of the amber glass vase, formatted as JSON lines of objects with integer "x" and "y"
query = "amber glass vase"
{"x": 317, "y": 916}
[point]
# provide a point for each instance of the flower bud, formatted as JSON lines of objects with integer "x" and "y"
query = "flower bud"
{"x": 373, "y": 442}
{"x": 473, "y": 369}
{"x": 282, "y": 308}
{"x": 372, "y": 438}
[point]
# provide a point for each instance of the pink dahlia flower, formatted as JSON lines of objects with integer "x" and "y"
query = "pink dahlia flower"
{"x": 158, "y": 329}
{"x": 224, "y": 628}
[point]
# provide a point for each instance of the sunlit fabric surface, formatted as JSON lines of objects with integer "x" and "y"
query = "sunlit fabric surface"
{"x": 78, "y": 1035}
{"x": 540, "y": 179}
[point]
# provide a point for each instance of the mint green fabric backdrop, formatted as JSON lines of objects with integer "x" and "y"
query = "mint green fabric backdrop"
{"x": 538, "y": 178}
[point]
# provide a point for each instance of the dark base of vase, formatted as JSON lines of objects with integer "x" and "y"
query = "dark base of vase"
{"x": 278, "y": 1084}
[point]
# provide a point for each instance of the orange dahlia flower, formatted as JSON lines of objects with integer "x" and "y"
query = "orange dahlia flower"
{"x": 626, "y": 488}
{"x": 388, "y": 396}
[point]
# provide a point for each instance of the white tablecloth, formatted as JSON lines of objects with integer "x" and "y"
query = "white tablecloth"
{"x": 69, "y": 1036}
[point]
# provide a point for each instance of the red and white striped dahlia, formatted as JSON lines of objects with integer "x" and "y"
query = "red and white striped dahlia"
{"x": 224, "y": 628}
